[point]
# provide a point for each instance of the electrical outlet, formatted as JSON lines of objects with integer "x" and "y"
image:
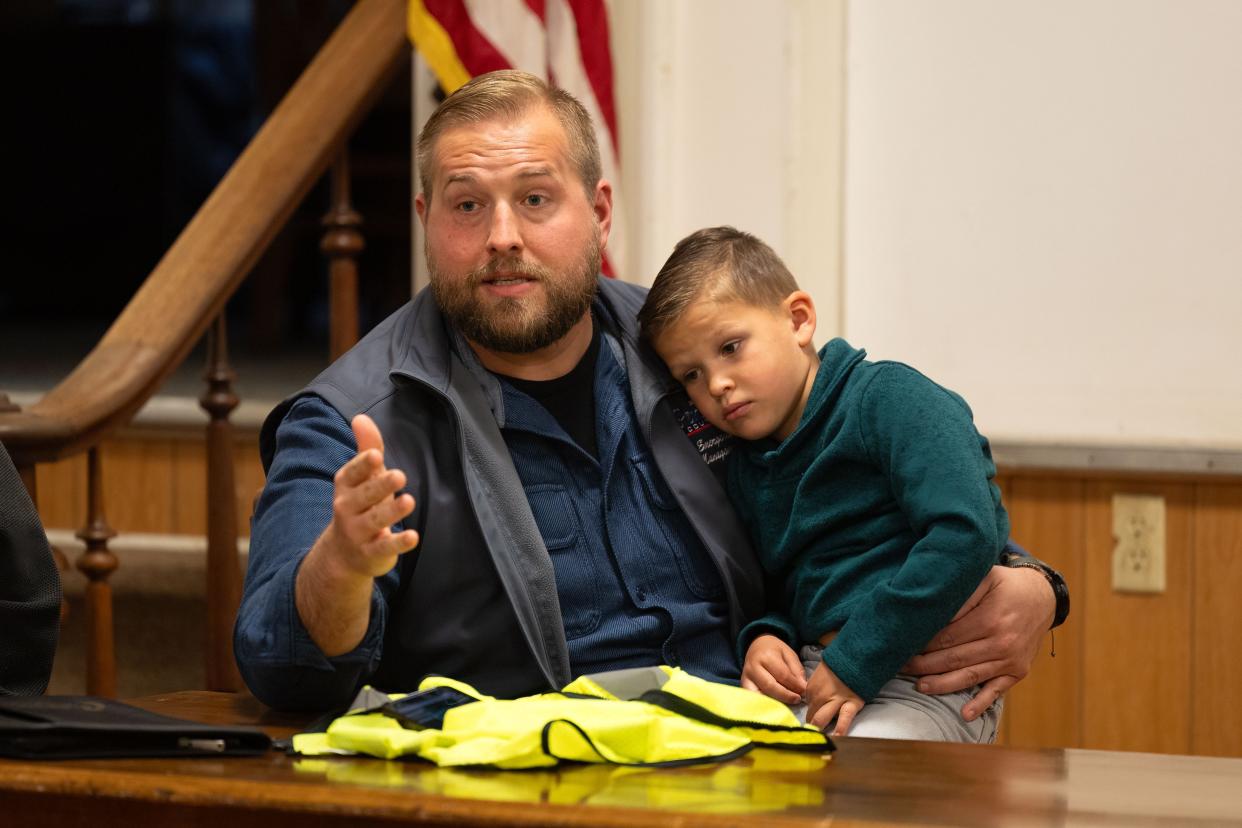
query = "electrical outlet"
{"x": 1138, "y": 530}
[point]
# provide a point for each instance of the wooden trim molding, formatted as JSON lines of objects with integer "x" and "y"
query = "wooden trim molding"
{"x": 1114, "y": 460}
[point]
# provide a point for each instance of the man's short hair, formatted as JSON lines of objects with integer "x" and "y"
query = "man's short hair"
{"x": 507, "y": 94}
{"x": 715, "y": 264}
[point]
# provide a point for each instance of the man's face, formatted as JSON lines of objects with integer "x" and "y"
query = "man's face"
{"x": 513, "y": 243}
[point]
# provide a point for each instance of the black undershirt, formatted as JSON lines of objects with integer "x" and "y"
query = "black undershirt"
{"x": 570, "y": 399}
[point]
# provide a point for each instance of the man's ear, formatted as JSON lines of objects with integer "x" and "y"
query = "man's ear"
{"x": 420, "y": 207}
{"x": 801, "y": 309}
{"x": 602, "y": 207}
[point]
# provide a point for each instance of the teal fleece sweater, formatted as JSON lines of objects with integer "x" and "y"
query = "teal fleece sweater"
{"x": 877, "y": 518}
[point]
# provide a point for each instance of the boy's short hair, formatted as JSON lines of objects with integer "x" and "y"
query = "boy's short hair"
{"x": 507, "y": 94}
{"x": 716, "y": 264}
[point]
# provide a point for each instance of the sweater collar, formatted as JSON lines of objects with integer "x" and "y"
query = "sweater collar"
{"x": 837, "y": 360}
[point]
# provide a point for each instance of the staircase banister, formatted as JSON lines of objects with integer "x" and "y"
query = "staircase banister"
{"x": 192, "y": 282}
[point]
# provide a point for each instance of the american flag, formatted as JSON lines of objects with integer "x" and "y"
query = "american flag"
{"x": 565, "y": 42}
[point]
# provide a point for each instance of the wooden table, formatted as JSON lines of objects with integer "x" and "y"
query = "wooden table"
{"x": 867, "y": 782}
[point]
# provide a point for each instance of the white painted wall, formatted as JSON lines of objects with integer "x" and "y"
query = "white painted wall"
{"x": 1039, "y": 203}
{"x": 1043, "y": 211}
{"x": 730, "y": 113}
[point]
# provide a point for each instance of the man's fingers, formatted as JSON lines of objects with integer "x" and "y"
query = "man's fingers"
{"x": 985, "y": 586}
{"x": 378, "y": 490}
{"x": 360, "y": 468}
{"x": 378, "y": 555}
{"x": 955, "y": 680}
{"x": 370, "y": 493}
{"x": 363, "y": 527}
{"x": 968, "y": 625}
{"x": 958, "y": 657}
{"x": 369, "y": 461}
{"x": 389, "y": 512}
{"x": 367, "y": 434}
{"x": 392, "y": 544}
{"x": 987, "y": 695}
{"x": 959, "y": 633}
{"x": 385, "y": 513}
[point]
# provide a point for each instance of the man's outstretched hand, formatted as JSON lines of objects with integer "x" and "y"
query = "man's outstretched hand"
{"x": 334, "y": 583}
{"x": 365, "y": 505}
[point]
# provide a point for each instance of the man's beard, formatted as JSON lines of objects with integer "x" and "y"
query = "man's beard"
{"x": 515, "y": 325}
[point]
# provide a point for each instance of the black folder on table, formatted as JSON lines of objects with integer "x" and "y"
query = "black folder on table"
{"x": 86, "y": 727}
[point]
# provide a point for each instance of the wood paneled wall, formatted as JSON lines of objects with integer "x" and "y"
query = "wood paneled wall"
{"x": 1216, "y": 622}
{"x": 1156, "y": 673}
{"x": 1048, "y": 517}
{"x": 1161, "y": 672}
{"x": 153, "y": 483}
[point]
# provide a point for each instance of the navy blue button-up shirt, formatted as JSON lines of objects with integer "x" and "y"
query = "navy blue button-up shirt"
{"x": 636, "y": 585}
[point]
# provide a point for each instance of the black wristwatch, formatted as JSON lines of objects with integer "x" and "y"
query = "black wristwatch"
{"x": 1059, "y": 589}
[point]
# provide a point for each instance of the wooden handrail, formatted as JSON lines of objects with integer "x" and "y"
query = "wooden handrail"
{"x": 214, "y": 253}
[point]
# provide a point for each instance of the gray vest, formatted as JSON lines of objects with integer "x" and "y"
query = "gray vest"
{"x": 478, "y": 597}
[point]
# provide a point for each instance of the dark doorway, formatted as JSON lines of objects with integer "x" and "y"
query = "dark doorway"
{"x": 125, "y": 115}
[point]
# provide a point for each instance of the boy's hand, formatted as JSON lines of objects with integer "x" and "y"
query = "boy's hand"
{"x": 828, "y": 697}
{"x": 773, "y": 668}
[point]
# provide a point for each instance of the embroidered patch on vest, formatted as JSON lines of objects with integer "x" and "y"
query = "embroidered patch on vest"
{"x": 712, "y": 444}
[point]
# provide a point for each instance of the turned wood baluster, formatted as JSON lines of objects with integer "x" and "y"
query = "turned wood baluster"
{"x": 97, "y": 563}
{"x": 223, "y": 570}
{"x": 342, "y": 243}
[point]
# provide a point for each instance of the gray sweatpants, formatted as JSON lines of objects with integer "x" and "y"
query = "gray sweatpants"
{"x": 901, "y": 712}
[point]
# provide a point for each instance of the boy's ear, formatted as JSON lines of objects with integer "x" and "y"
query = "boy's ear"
{"x": 801, "y": 309}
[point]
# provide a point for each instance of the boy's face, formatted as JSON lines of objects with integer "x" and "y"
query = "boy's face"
{"x": 748, "y": 369}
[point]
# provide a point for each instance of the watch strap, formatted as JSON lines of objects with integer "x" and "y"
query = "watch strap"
{"x": 1060, "y": 590}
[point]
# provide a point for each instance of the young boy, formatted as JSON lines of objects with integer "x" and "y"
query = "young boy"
{"x": 864, "y": 485}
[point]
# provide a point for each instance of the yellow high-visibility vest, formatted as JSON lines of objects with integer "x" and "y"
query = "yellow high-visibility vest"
{"x": 644, "y": 716}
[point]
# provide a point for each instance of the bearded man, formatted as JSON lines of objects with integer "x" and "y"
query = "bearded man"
{"x": 544, "y": 500}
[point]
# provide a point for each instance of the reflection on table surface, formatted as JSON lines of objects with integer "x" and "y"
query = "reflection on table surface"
{"x": 765, "y": 781}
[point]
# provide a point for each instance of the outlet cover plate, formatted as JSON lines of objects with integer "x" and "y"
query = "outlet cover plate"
{"x": 1139, "y": 535}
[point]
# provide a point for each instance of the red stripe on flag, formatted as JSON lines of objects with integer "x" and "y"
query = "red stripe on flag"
{"x": 540, "y": 8}
{"x": 591, "y": 18}
{"x": 477, "y": 53}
